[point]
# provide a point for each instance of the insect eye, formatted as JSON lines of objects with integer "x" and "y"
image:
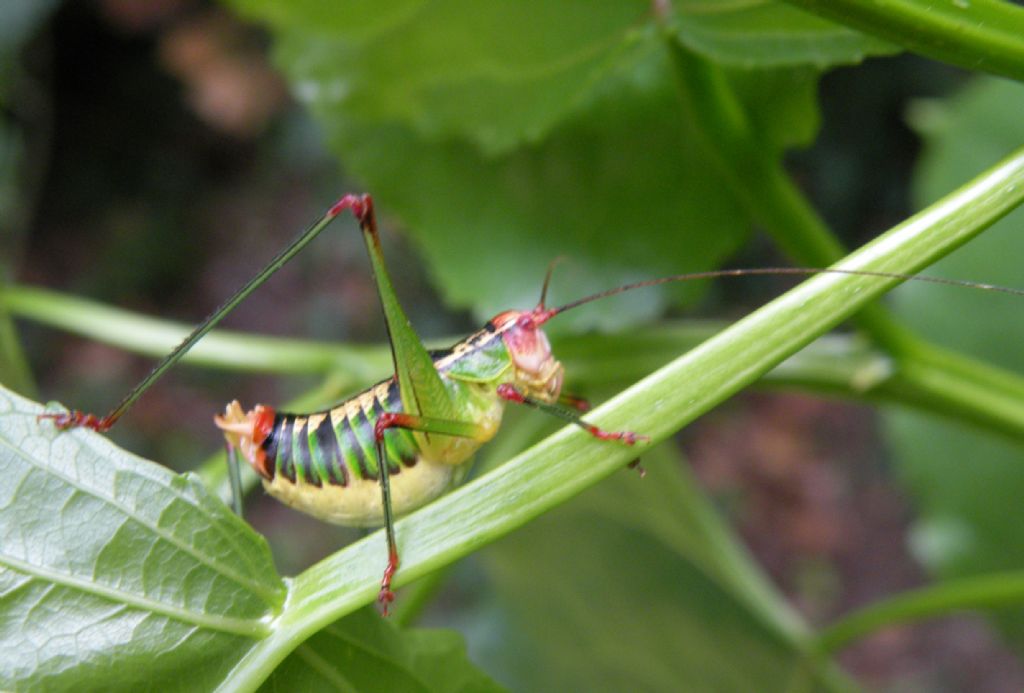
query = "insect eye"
{"x": 526, "y": 322}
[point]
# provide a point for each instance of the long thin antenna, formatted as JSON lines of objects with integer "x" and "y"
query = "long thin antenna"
{"x": 356, "y": 203}
{"x": 777, "y": 271}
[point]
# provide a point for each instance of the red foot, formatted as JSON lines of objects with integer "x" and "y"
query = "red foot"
{"x": 509, "y": 392}
{"x": 76, "y": 418}
{"x": 627, "y": 437}
{"x": 386, "y": 596}
{"x": 361, "y": 206}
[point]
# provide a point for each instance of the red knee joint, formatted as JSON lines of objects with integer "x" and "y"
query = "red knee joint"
{"x": 387, "y": 420}
{"x": 361, "y": 206}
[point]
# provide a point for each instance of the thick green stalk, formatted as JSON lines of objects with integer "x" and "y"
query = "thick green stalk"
{"x": 977, "y": 35}
{"x": 570, "y": 461}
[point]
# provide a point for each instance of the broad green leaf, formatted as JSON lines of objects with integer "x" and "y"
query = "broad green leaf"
{"x": 765, "y": 33}
{"x": 364, "y": 652}
{"x": 967, "y": 486}
{"x": 638, "y": 585}
{"x": 595, "y": 159}
{"x": 115, "y": 572}
{"x": 781, "y": 105}
{"x": 620, "y": 187}
{"x": 504, "y": 73}
{"x": 496, "y": 74}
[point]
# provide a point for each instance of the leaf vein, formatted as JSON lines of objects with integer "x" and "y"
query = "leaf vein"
{"x": 227, "y": 624}
{"x": 267, "y": 594}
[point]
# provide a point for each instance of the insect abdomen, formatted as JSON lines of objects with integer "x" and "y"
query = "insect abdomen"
{"x": 324, "y": 464}
{"x": 336, "y": 447}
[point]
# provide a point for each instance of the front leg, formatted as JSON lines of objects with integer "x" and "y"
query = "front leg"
{"x": 511, "y": 393}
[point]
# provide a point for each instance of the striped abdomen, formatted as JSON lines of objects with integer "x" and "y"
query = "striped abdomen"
{"x": 337, "y": 446}
{"x": 325, "y": 464}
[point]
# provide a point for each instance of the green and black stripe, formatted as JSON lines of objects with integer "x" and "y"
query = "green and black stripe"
{"x": 336, "y": 453}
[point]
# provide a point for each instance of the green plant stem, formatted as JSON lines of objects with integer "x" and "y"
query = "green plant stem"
{"x": 220, "y": 348}
{"x": 987, "y": 592}
{"x": 974, "y": 34}
{"x": 570, "y": 461}
{"x": 929, "y": 379}
{"x": 948, "y": 383}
